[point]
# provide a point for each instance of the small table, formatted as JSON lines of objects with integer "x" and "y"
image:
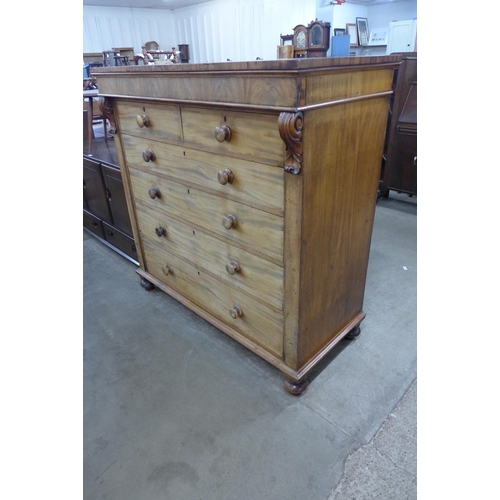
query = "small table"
{"x": 90, "y": 94}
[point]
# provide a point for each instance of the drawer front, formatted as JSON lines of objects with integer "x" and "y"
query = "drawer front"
{"x": 259, "y": 231}
{"x": 237, "y": 268}
{"x": 257, "y": 322}
{"x": 92, "y": 223}
{"x": 251, "y": 183}
{"x": 152, "y": 120}
{"x": 252, "y": 136}
{"x": 120, "y": 240}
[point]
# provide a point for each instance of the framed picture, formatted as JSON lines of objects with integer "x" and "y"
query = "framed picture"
{"x": 352, "y": 30}
{"x": 363, "y": 33}
{"x": 378, "y": 37}
{"x": 338, "y": 31}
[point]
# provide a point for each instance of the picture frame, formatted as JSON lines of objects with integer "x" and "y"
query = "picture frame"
{"x": 363, "y": 32}
{"x": 338, "y": 31}
{"x": 352, "y": 31}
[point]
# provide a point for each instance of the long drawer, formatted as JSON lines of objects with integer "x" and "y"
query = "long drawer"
{"x": 256, "y": 321}
{"x": 258, "y": 231}
{"x": 251, "y": 183}
{"x": 232, "y": 265}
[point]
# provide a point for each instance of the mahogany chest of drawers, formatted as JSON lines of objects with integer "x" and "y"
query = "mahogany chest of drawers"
{"x": 252, "y": 188}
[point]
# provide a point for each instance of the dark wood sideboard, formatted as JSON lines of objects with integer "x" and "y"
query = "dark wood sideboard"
{"x": 399, "y": 164}
{"x": 105, "y": 212}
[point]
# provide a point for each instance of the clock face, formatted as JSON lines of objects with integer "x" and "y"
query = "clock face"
{"x": 301, "y": 39}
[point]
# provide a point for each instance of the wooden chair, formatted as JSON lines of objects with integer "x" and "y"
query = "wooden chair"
{"x": 152, "y": 45}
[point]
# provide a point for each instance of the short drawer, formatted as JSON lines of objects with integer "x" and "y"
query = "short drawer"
{"x": 232, "y": 265}
{"x": 257, "y": 322}
{"x": 120, "y": 240}
{"x": 152, "y": 120}
{"x": 259, "y": 231}
{"x": 252, "y": 183}
{"x": 245, "y": 135}
{"x": 93, "y": 223}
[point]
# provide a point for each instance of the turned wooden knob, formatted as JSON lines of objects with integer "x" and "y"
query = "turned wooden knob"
{"x": 229, "y": 221}
{"x": 225, "y": 176}
{"x": 166, "y": 270}
{"x": 160, "y": 231}
{"x": 142, "y": 121}
{"x": 233, "y": 267}
{"x": 148, "y": 155}
{"x": 154, "y": 192}
{"x": 222, "y": 133}
{"x": 235, "y": 312}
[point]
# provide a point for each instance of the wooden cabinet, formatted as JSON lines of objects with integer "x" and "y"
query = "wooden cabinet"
{"x": 105, "y": 211}
{"x": 399, "y": 170}
{"x": 252, "y": 188}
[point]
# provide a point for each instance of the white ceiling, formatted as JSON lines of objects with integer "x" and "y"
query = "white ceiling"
{"x": 145, "y": 4}
{"x": 177, "y": 4}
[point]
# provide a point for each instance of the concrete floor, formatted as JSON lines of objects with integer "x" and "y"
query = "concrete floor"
{"x": 174, "y": 409}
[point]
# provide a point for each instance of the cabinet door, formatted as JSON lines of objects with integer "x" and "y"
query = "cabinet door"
{"x": 402, "y": 36}
{"x": 404, "y": 164}
{"x": 116, "y": 198}
{"x": 94, "y": 190}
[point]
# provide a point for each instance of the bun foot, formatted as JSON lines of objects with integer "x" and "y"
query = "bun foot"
{"x": 295, "y": 388}
{"x": 354, "y": 333}
{"x": 147, "y": 285}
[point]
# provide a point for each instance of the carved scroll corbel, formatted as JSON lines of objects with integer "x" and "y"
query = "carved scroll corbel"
{"x": 290, "y": 127}
{"x": 106, "y": 107}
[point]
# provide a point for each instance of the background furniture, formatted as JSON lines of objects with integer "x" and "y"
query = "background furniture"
{"x": 152, "y": 45}
{"x": 105, "y": 211}
{"x": 249, "y": 200}
{"x": 284, "y": 52}
{"x": 399, "y": 165}
{"x": 126, "y": 52}
{"x": 312, "y": 40}
{"x": 114, "y": 58}
{"x": 183, "y": 52}
{"x": 92, "y": 57}
{"x": 88, "y": 110}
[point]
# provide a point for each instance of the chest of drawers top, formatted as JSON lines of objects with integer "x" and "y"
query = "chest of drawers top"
{"x": 284, "y": 84}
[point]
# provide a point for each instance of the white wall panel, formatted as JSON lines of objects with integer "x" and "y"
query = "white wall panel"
{"x": 108, "y": 27}
{"x": 379, "y": 16}
{"x": 239, "y": 30}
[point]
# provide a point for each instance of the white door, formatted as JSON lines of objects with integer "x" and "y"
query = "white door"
{"x": 402, "y": 36}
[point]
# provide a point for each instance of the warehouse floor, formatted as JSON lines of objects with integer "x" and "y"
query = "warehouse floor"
{"x": 174, "y": 409}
